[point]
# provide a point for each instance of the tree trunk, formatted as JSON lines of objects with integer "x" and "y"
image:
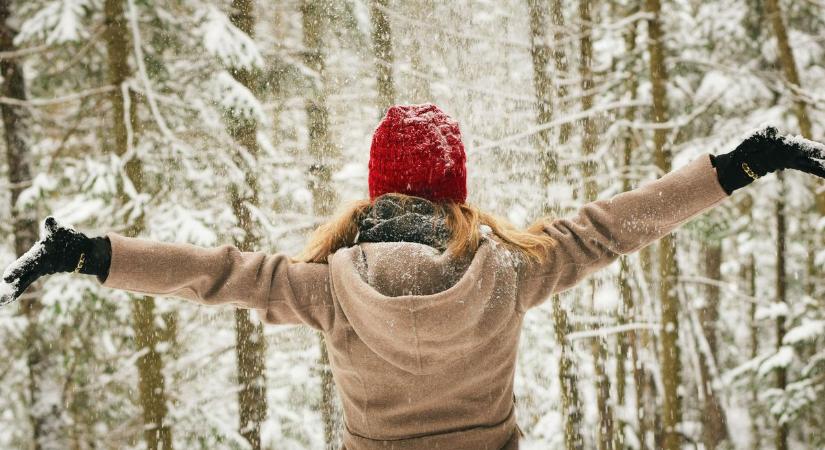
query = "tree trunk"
{"x": 570, "y": 398}
{"x": 44, "y": 414}
{"x": 420, "y": 91}
{"x": 540, "y": 53}
{"x": 781, "y": 296}
{"x": 749, "y": 277}
{"x": 543, "y": 85}
{"x": 628, "y": 342}
{"x": 786, "y": 57}
{"x": 560, "y": 59}
{"x": 249, "y": 337}
{"x": 714, "y": 429}
{"x": 323, "y": 155}
{"x": 151, "y": 384}
{"x": 382, "y": 49}
{"x": 606, "y": 436}
{"x": 670, "y": 351}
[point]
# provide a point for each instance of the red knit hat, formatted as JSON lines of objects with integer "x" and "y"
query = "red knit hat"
{"x": 417, "y": 150}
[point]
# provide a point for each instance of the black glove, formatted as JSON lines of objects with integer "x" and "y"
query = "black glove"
{"x": 61, "y": 250}
{"x": 766, "y": 151}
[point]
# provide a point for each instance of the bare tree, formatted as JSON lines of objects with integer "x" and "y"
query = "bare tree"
{"x": 560, "y": 60}
{"x": 782, "y": 430}
{"x": 151, "y": 383}
{"x": 670, "y": 351}
{"x": 540, "y": 53}
{"x": 249, "y": 337}
{"x": 382, "y": 49}
{"x": 323, "y": 154}
{"x": 714, "y": 421}
{"x": 628, "y": 342}
{"x": 598, "y": 345}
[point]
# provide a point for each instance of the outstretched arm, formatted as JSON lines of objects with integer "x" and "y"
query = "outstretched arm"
{"x": 282, "y": 291}
{"x": 604, "y": 229}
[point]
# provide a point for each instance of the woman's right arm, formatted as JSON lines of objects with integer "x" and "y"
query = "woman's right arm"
{"x": 281, "y": 291}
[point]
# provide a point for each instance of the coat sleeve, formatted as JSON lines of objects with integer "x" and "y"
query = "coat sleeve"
{"x": 283, "y": 292}
{"x": 604, "y": 229}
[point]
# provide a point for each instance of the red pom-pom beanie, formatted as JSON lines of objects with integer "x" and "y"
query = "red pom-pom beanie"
{"x": 417, "y": 150}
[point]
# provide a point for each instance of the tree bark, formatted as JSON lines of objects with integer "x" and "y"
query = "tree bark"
{"x": 598, "y": 347}
{"x": 714, "y": 428}
{"x": 628, "y": 342}
{"x": 570, "y": 399}
{"x": 773, "y": 12}
{"x": 540, "y": 53}
{"x": 782, "y": 430}
{"x": 786, "y": 57}
{"x": 249, "y": 337}
{"x": 151, "y": 383}
{"x": 323, "y": 155}
{"x": 670, "y": 351}
{"x": 542, "y": 82}
{"x": 382, "y": 49}
{"x": 749, "y": 276}
{"x": 44, "y": 415}
{"x": 560, "y": 60}
{"x": 420, "y": 91}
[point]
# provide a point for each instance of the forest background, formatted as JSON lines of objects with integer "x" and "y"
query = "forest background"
{"x": 248, "y": 123}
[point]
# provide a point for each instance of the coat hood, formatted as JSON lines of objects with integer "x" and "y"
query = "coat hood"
{"x": 421, "y": 309}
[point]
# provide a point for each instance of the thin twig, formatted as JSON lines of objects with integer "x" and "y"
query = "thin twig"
{"x": 22, "y": 52}
{"x": 57, "y": 100}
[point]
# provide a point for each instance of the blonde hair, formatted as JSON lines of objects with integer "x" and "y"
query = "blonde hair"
{"x": 463, "y": 221}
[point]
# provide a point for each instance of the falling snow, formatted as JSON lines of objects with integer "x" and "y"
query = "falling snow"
{"x": 255, "y": 136}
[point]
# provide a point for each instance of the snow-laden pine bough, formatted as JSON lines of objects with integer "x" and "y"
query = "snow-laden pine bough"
{"x": 420, "y": 296}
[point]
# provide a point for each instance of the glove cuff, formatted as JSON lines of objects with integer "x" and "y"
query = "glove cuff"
{"x": 731, "y": 174}
{"x": 97, "y": 258}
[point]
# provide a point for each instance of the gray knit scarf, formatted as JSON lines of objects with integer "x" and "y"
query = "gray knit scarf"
{"x": 390, "y": 220}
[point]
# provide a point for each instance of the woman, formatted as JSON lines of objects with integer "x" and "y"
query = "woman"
{"x": 420, "y": 296}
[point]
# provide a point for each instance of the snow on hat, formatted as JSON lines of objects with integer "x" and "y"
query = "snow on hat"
{"x": 417, "y": 150}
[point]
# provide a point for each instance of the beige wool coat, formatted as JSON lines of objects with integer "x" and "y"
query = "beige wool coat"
{"x": 422, "y": 346}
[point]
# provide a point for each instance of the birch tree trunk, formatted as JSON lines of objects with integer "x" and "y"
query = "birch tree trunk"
{"x": 44, "y": 413}
{"x": 249, "y": 337}
{"x": 323, "y": 155}
{"x": 670, "y": 352}
{"x": 151, "y": 383}
{"x": 382, "y": 50}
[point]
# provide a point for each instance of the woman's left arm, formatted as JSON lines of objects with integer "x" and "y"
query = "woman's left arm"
{"x": 604, "y": 229}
